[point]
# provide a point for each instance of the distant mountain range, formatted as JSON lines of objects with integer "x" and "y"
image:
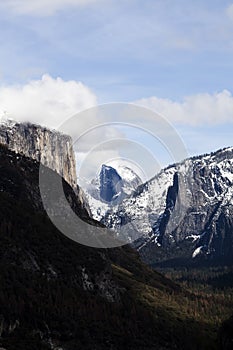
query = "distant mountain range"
{"x": 57, "y": 294}
{"x": 184, "y": 215}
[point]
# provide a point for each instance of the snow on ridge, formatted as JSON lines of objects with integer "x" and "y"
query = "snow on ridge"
{"x": 197, "y": 251}
{"x": 127, "y": 174}
{"x": 9, "y": 122}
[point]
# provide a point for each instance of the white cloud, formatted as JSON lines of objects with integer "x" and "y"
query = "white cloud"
{"x": 41, "y": 7}
{"x": 50, "y": 102}
{"x": 194, "y": 110}
{"x": 47, "y": 101}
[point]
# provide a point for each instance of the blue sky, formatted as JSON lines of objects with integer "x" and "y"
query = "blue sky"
{"x": 123, "y": 50}
{"x": 175, "y": 57}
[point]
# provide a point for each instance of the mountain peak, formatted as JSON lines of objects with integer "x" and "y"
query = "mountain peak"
{"x": 105, "y": 167}
{"x": 110, "y": 188}
{"x": 110, "y": 183}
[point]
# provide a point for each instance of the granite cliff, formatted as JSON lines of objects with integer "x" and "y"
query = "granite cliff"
{"x": 49, "y": 147}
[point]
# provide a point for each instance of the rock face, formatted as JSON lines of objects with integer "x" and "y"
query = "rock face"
{"x": 185, "y": 212}
{"x": 110, "y": 184}
{"x": 109, "y": 189}
{"x": 51, "y": 148}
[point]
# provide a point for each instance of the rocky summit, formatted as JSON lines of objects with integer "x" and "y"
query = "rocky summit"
{"x": 110, "y": 184}
{"x": 109, "y": 188}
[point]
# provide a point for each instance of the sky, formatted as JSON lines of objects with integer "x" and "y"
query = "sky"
{"x": 60, "y": 57}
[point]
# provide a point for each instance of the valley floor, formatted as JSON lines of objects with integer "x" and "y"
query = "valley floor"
{"x": 211, "y": 291}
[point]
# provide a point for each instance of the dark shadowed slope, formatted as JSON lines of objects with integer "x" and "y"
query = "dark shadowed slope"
{"x": 57, "y": 294}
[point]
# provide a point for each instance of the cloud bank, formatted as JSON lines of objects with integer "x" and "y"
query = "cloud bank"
{"x": 47, "y": 101}
{"x": 195, "y": 110}
{"x": 51, "y": 101}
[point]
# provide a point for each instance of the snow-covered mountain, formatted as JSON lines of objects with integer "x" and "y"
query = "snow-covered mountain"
{"x": 110, "y": 188}
{"x": 130, "y": 180}
{"x": 184, "y": 212}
